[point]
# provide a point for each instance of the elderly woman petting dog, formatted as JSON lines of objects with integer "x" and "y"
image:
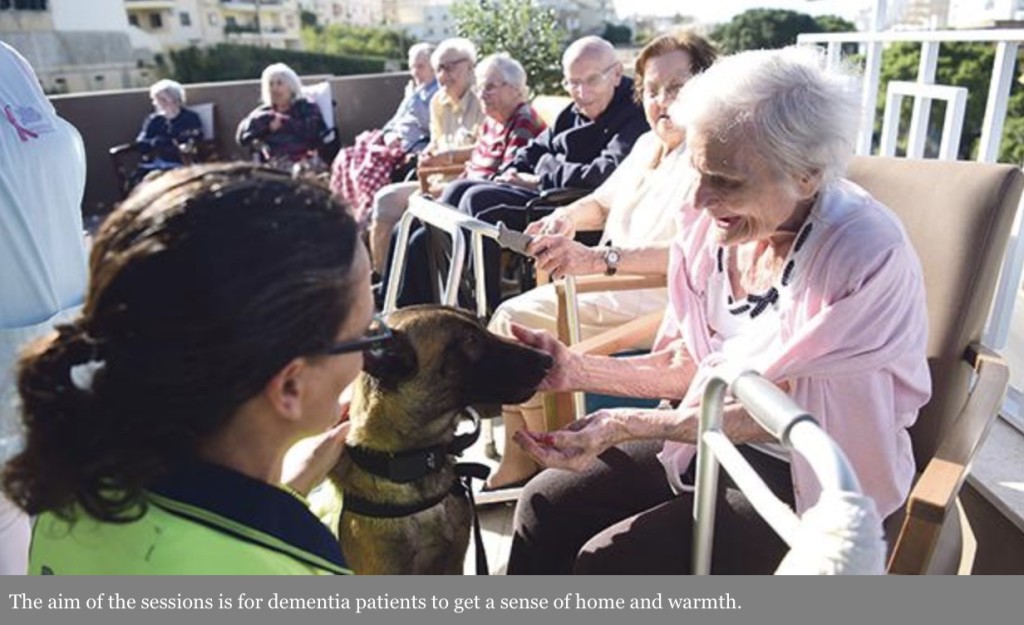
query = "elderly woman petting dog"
{"x": 633, "y": 207}
{"x": 158, "y": 419}
{"x": 786, "y": 268}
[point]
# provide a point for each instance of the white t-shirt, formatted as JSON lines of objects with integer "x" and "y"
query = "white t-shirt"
{"x": 42, "y": 255}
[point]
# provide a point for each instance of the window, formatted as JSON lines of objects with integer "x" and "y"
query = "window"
{"x": 156, "y": 20}
{"x": 185, "y": 18}
{"x": 133, "y": 19}
{"x": 23, "y": 5}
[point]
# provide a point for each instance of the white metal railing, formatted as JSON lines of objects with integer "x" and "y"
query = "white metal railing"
{"x": 1006, "y": 42}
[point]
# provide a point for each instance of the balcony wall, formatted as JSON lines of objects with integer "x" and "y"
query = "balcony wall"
{"x": 109, "y": 118}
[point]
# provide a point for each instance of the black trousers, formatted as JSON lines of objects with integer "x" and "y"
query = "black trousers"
{"x": 620, "y": 517}
{"x": 488, "y": 201}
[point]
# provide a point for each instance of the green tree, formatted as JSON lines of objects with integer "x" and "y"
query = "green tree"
{"x": 347, "y": 39}
{"x": 617, "y": 33}
{"x": 758, "y": 29}
{"x": 527, "y": 32}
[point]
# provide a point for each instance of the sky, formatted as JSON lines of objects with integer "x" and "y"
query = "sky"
{"x": 723, "y": 10}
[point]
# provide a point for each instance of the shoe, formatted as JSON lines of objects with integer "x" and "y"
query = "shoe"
{"x": 505, "y": 493}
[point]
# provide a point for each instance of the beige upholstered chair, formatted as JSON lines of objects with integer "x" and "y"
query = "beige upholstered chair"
{"x": 958, "y": 216}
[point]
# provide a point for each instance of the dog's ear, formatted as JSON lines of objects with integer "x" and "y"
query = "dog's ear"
{"x": 392, "y": 364}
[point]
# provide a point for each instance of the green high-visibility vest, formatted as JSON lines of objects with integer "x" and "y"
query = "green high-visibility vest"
{"x": 171, "y": 538}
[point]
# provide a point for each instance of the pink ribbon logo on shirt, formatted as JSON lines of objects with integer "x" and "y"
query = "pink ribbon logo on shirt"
{"x": 23, "y": 133}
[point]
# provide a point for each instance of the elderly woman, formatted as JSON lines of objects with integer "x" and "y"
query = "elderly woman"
{"x": 167, "y": 130}
{"x": 360, "y": 170}
{"x": 287, "y": 126}
{"x": 458, "y": 118}
{"x": 786, "y": 268}
{"x": 633, "y": 209}
{"x": 157, "y": 422}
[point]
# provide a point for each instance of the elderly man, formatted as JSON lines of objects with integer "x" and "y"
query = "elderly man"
{"x": 584, "y": 146}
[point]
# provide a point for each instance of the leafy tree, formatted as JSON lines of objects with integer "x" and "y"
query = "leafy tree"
{"x": 617, "y": 33}
{"x": 527, "y": 32}
{"x": 772, "y": 28}
{"x": 347, "y": 39}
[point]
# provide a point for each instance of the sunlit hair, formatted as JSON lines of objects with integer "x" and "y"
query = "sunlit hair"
{"x": 800, "y": 118}
{"x": 510, "y": 70}
{"x": 420, "y": 49}
{"x": 169, "y": 88}
{"x": 702, "y": 54}
{"x": 459, "y": 45}
{"x": 283, "y": 73}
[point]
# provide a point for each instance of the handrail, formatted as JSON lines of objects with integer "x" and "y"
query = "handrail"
{"x": 790, "y": 424}
{"x": 918, "y": 36}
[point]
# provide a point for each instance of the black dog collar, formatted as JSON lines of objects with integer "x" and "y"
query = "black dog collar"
{"x": 408, "y": 466}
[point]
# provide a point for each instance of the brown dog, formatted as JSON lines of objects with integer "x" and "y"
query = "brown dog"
{"x": 399, "y": 467}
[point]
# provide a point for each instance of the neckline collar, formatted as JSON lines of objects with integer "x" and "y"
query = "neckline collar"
{"x": 251, "y": 510}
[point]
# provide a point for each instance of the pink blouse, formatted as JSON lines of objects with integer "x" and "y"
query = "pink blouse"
{"x": 853, "y": 336}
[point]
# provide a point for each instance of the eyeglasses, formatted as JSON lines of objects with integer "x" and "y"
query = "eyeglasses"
{"x": 375, "y": 340}
{"x": 592, "y": 81}
{"x": 490, "y": 86}
{"x": 668, "y": 92}
{"x": 448, "y": 67}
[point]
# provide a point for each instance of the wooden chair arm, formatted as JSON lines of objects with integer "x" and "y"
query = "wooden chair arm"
{"x": 423, "y": 174}
{"x": 934, "y": 494}
{"x": 600, "y": 282}
{"x": 626, "y": 336}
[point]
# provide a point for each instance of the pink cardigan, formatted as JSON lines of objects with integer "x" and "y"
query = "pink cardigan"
{"x": 853, "y": 345}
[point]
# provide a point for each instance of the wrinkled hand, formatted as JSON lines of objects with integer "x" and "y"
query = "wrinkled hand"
{"x": 575, "y": 447}
{"x": 309, "y": 461}
{"x": 557, "y": 223}
{"x": 561, "y": 256}
{"x": 562, "y": 375}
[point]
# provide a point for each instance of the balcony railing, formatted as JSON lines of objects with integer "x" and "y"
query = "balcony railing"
{"x": 1006, "y": 42}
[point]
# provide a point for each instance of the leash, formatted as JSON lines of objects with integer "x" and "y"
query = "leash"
{"x": 409, "y": 466}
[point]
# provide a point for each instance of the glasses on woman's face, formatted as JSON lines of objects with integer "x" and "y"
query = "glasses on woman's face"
{"x": 450, "y": 65}
{"x": 376, "y": 339}
{"x": 489, "y": 87}
{"x": 668, "y": 92}
{"x": 591, "y": 82}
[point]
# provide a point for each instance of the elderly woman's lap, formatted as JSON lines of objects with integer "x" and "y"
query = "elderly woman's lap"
{"x": 620, "y": 517}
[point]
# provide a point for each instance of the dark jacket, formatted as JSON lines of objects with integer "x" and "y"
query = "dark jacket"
{"x": 301, "y": 131}
{"x": 581, "y": 153}
{"x": 160, "y": 136}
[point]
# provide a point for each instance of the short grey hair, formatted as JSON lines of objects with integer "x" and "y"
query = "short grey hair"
{"x": 591, "y": 44}
{"x": 464, "y": 47}
{"x": 420, "y": 49}
{"x": 169, "y": 88}
{"x": 801, "y": 118}
{"x": 510, "y": 70}
{"x": 283, "y": 72}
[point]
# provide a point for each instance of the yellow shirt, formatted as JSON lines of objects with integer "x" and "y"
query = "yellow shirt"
{"x": 454, "y": 124}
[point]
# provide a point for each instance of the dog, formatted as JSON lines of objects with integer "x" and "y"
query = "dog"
{"x": 413, "y": 514}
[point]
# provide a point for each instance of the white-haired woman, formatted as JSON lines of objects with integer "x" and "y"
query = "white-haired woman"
{"x": 287, "y": 125}
{"x": 381, "y": 155}
{"x": 785, "y": 268}
{"x": 167, "y": 131}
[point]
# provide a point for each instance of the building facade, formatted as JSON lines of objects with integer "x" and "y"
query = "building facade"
{"x": 75, "y": 45}
{"x": 178, "y": 23}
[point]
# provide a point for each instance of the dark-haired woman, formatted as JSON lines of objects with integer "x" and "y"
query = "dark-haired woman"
{"x": 157, "y": 421}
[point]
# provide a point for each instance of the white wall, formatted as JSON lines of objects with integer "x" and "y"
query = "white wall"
{"x": 89, "y": 15}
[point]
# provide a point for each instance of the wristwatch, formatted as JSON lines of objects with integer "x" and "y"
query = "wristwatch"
{"x": 612, "y": 256}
